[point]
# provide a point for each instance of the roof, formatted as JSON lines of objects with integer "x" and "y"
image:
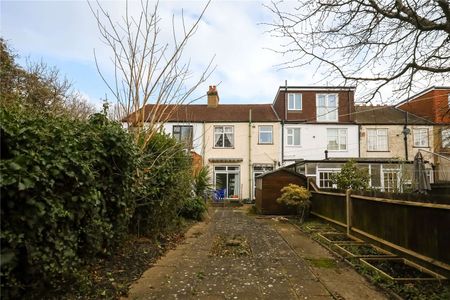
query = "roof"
{"x": 386, "y": 115}
{"x": 317, "y": 88}
{"x": 423, "y": 92}
{"x": 356, "y": 159}
{"x": 282, "y": 169}
{"x": 203, "y": 113}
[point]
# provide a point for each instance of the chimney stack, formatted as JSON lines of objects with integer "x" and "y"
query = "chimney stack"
{"x": 213, "y": 97}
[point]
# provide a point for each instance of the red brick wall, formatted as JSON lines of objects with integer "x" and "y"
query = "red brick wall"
{"x": 308, "y": 113}
{"x": 432, "y": 106}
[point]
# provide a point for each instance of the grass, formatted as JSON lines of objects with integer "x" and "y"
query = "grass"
{"x": 326, "y": 263}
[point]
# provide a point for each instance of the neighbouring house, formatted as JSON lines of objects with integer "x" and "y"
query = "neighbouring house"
{"x": 390, "y": 133}
{"x": 434, "y": 104}
{"x": 317, "y": 122}
{"x": 236, "y": 141}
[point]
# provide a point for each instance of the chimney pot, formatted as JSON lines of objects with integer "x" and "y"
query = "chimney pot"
{"x": 213, "y": 97}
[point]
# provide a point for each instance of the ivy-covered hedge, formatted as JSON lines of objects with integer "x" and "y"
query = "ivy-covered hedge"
{"x": 66, "y": 195}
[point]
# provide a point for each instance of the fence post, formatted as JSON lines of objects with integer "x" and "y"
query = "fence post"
{"x": 348, "y": 201}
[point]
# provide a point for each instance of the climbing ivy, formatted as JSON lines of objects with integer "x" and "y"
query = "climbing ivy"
{"x": 66, "y": 195}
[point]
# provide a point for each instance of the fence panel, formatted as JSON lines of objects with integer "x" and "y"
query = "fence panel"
{"x": 418, "y": 229}
{"x": 425, "y": 230}
{"x": 330, "y": 205}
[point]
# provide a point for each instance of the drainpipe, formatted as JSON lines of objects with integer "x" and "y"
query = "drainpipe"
{"x": 405, "y": 135}
{"x": 250, "y": 187}
{"x": 203, "y": 144}
{"x": 282, "y": 142}
{"x": 283, "y": 120}
{"x": 359, "y": 141}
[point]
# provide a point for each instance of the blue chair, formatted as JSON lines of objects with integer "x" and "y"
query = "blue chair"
{"x": 219, "y": 195}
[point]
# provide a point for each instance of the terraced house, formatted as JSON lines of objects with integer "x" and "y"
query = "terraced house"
{"x": 319, "y": 133}
{"x": 389, "y": 140}
{"x": 236, "y": 141}
{"x": 433, "y": 104}
{"x": 314, "y": 131}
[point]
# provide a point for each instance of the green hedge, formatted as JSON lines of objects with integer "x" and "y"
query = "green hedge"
{"x": 66, "y": 195}
{"x": 165, "y": 184}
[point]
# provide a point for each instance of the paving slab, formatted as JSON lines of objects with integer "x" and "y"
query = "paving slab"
{"x": 275, "y": 267}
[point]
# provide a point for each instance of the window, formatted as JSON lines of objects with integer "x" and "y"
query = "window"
{"x": 293, "y": 136}
{"x": 327, "y": 107}
{"x": 226, "y": 179}
{"x": 391, "y": 182}
{"x": 337, "y": 139}
{"x": 265, "y": 134}
{"x": 223, "y": 136}
{"x": 445, "y": 135}
{"x": 325, "y": 178}
{"x": 420, "y": 137}
{"x": 294, "y": 101}
{"x": 183, "y": 134}
{"x": 377, "y": 140}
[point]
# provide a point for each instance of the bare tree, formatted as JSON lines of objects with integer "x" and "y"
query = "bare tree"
{"x": 401, "y": 43}
{"x": 39, "y": 87}
{"x": 147, "y": 68}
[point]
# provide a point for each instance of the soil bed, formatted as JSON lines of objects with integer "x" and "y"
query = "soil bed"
{"x": 337, "y": 237}
{"x": 398, "y": 269}
{"x": 111, "y": 276}
{"x": 362, "y": 250}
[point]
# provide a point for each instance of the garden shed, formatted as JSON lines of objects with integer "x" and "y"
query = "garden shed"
{"x": 268, "y": 189}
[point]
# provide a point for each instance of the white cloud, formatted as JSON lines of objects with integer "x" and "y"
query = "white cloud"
{"x": 230, "y": 31}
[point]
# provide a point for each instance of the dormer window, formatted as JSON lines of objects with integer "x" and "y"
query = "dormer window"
{"x": 294, "y": 101}
{"x": 327, "y": 107}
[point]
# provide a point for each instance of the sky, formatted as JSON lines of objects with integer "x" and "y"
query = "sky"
{"x": 64, "y": 34}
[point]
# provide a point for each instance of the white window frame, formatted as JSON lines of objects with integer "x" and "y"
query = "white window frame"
{"x": 262, "y": 130}
{"x": 386, "y": 172}
{"x": 223, "y": 133}
{"x": 332, "y": 113}
{"x": 292, "y": 100}
{"x": 445, "y": 138}
{"x": 293, "y": 136}
{"x": 340, "y": 137}
{"x": 377, "y": 139}
{"x": 236, "y": 170}
{"x": 418, "y": 138}
{"x": 327, "y": 171}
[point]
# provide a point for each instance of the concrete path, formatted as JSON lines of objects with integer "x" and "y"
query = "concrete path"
{"x": 235, "y": 256}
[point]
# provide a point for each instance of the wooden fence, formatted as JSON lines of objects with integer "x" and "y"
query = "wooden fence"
{"x": 418, "y": 230}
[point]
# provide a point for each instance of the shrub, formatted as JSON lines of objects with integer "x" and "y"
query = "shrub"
{"x": 202, "y": 182}
{"x": 67, "y": 195}
{"x": 351, "y": 177}
{"x": 194, "y": 208}
{"x": 297, "y": 196}
{"x": 164, "y": 185}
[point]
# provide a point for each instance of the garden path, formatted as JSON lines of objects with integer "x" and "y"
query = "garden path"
{"x": 272, "y": 260}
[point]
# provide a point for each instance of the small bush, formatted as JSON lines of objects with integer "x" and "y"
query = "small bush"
{"x": 194, "y": 209}
{"x": 297, "y": 196}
